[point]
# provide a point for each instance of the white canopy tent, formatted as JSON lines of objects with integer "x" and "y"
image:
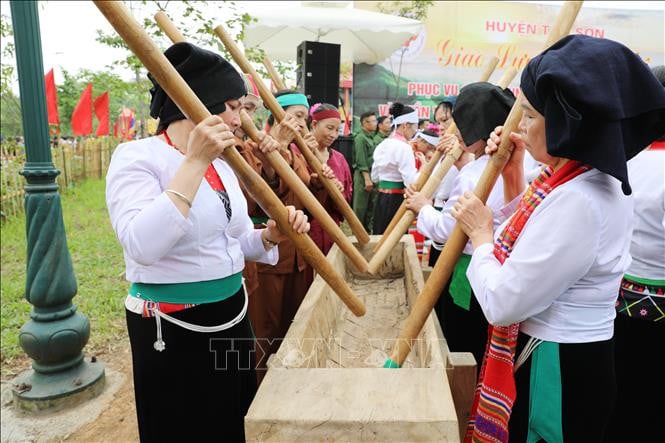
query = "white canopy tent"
{"x": 364, "y": 36}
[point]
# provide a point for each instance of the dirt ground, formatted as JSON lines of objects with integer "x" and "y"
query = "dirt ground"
{"x": 118, "y": 421}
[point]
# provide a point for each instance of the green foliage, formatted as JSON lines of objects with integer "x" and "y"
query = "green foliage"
{"x": 195, "y": 24}
{"x": 10, "y": 107}
{"x": 121, "y": 93}
{"x": 415, "y": 9}
{"x": 98, "y": 265}
{"x": 10, "y": 115}
{"x": 6, "y": 69}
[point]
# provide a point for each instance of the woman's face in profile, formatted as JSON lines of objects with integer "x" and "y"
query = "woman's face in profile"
{"x": 231, "y": 114}
{"x": 532, "y": 131}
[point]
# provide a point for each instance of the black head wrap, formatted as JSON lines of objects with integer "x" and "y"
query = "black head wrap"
{"x": 481, "y": 107}
{"x": 601, "y": 103}
{"x": 397, "y": 109}
{"x": 213, "y": 80}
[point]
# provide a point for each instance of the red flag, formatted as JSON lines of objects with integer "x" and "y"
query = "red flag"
{"x": 82, "y": 115}
{"x": 116, "y": 131}
{"x": 102, "y": 112}
{"x": 51, "y": 99}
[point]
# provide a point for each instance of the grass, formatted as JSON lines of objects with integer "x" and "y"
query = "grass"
{"x": 98, "y": 266}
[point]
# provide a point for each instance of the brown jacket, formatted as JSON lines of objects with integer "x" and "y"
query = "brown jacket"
{"x": 288, "y": 256}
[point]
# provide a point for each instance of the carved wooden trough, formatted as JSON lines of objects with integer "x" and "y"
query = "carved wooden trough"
{"x": 326, "y": 382}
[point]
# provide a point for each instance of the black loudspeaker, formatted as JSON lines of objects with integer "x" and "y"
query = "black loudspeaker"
{"x": 344, "y": 144}
{"x": 318, "y": 75}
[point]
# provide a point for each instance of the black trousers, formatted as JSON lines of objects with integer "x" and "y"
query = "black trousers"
{"x": 588, "y": 392}
{"x": 200, "y": 387}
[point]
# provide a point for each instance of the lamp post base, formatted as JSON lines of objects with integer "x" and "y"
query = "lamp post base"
{"x": 36, "y": 392}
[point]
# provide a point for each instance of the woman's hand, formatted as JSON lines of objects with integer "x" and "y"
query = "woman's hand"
{"x": 447, "y": 143}
{"x": 208, "y": 140}
{"x": 415, "y": 200}
{"x": 516, "y": 163}
{"x": 311, "y": 142}
{"x": 286, "y": 130}
{"x": 330, "y": 175}
{"x": 513, "y": 173}
{"x": 266, "y": 146}
{"x": 420, "y": 156}
{"x": 474, "y": 218}
{"x": 297, "y": 220}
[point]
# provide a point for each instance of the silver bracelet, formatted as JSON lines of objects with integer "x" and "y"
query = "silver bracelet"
{"x": 270, "y": 243}
{"x": 181, "y": 196}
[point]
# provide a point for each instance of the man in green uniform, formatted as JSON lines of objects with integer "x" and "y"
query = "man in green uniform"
{"x": 383, "y": 130}
{"x": 363, "y": 151}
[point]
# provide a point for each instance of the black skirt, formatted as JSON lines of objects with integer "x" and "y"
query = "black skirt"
{"x": 584, "y": 379}
{"x": 200, "y": 387}
{"x": 639, "y": 369}
{"x": 464, "y": 330}
{"x": 386, "y": 207}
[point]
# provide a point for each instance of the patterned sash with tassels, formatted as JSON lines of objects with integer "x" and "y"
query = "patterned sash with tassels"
{"x": 495, "y": 393}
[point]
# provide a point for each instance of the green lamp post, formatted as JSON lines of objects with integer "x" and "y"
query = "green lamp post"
{"x": 55, "y": 335}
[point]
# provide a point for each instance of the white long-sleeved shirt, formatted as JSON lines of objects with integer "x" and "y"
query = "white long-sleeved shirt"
{"x": 562, "y": 278}
{"x": 394, "y": 161}
{"x": 646, "y": 172}
{"x": 444, "y": 190}
{"x": 159, "y": 244}
{"x": 439, "y": 225}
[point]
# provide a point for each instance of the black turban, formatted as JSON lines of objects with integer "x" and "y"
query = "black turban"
{"x": 602, "y": 104}
{"x": 213, "y": 80}
{"x": 481, "y": 107}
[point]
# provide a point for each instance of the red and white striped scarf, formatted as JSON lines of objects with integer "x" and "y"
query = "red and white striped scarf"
{"x": 495, "y": 392}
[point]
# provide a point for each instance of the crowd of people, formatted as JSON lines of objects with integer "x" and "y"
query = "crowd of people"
{"x": 545, "y": 295}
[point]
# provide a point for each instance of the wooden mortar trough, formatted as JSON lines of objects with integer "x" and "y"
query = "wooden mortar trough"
{"x": 326, "y": 382}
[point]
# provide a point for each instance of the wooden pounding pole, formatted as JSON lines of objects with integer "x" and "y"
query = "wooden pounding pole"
{"x": 456, "y": 242}
{"x": 182, "y": 95}
{"x": 283, "y": 169}
{"x": 489, "y": 69}
{"x": 428, "y": 190}
{"x": 426, "y": 170}
{"x": 277, "y": 111}
{"x": 166, "y": 25}
{"x": 507, "y": 77}
{"x": 274, "y": 75}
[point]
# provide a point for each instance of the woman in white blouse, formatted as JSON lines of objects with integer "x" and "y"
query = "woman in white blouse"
{"x": 181, "y": 218}
{"x": 394, "y": 165}
{"x": 639, "y": 331}
{"x": 548, "y": 284}
{"x": 479, "y": 108}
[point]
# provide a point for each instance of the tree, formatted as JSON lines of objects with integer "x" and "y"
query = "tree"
{"x": 10, "y": 107}
{"x": 191, "y": 18}
{"x": 121, "y": 93}
{"x": 415, "y": 9}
